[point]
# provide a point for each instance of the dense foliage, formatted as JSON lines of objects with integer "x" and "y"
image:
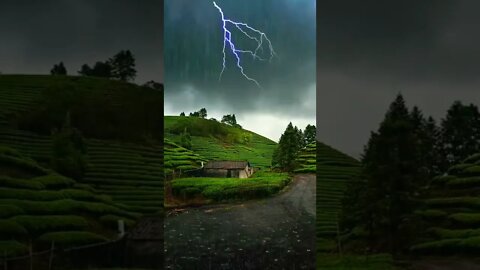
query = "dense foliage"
{"x": 398, "y": 162}
{"x": 291, "y": 142}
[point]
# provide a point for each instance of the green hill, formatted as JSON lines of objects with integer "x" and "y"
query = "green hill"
{"x": 213, "y": 140}
{"x": 334, "y": 171}
{"x": 122, "y": 126}
{"x": 37, "y": 204}
{"x": 451, "y": 211}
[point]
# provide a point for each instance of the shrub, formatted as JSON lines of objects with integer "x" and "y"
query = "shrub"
{"x": 69, "y": 153}
{"x": 12, "y": 248}
{"x": 54, "y": 181}
{"x": 10, "y": 229}
{"x": 6, "y": 181}
{"x": 466, "y": 218}
{"x": 71, "y": 239}
{"x": 41, "y": 224}
{"x": 10, "y": 210}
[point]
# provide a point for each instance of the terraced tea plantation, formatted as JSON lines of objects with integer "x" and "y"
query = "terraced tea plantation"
{"x": 131, "y": 174}
{"x": 18, "y": 95}
{"x": 257, "y": 149}
{"x": 38, "y": 205}
{"x": 334, "y": 171}
{"x": 124, "y": 173}
{"x": 307, "y": 159}
{"x": 451, "y": 212}
{"x": 180, "y": 159}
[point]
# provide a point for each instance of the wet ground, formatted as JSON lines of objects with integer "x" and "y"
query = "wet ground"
{"x": 274, "y": 233}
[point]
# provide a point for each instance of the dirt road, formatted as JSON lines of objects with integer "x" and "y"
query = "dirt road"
{"x": 274, "y": 233}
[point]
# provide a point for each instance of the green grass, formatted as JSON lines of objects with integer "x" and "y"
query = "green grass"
{"x": 261, "y": 184}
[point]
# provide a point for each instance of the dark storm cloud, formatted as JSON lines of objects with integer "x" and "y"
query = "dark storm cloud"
{"x": 37, "y": 34}
{"x": 368, "y": 51}
{"x": 193, "y": 56}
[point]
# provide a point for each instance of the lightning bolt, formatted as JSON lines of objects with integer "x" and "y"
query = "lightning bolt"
{"x": 227, "y": 40}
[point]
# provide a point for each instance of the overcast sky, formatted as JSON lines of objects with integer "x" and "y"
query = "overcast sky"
{"x": 193, "y": 62}
{"x": 368, "y": 51}
{"x": 37, "y": 34}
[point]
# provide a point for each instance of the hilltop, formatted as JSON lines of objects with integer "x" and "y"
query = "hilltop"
{"x": 122, "y": 129}
{"x": 213, "y": 140}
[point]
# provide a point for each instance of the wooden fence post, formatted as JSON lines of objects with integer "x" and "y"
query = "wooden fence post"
{"x": 50, "y": 258}
{"x": 339, "y": 241}
{"x": 5, "y": 267}
{"x": 30, "y": 251}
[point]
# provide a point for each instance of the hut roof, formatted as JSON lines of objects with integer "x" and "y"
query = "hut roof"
{"x": 225, "y": 164}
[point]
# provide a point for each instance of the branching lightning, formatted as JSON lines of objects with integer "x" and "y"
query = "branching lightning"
{"x": 259, "y": 37}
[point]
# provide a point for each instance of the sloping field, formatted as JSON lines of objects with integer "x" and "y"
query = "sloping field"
{"x": 307, "y": 159}
{"x": 180, "y": 159}
{"x": 334, "y": 171}
{"x": 216, "y": 141}
{"x": 131, "y": 174}
{"x": 451, "y": 212}
{"x": 38, "y": 205}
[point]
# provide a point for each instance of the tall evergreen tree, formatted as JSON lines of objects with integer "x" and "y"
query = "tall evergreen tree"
{"x": 287, "y": 149}
{"x": 460, "y": 133}
{"x": 390, "y": 167}
{"x": 310, "y": 134}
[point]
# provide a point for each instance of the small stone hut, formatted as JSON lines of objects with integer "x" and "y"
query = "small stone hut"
{"x": 227, "y": 169}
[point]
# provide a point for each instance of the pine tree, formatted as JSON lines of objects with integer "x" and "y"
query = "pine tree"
{"x": 123, "y": 66}
{"x": 460, "y": 133}
{"x": 390, "y": 167}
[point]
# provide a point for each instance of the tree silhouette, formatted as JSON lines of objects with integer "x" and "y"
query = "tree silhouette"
{"x": 123, "y": 66}
{"x": 58, "y": 69}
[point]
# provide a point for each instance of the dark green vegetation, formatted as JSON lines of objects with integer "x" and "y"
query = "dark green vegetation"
{"x": 180, "y": 159}
{"x": 213, "y": 140}
{"x": 45, "y": 121}
{"x": 261, "y": 184}
{"x": 291, "y": 144}
{"x": 451, "y": 212}
{"x": 334, "y": 171}
{"x": 39, "y": 205}
{"x": 398, "y": 204}
{"x": 307, "y": 159}
{"x": 355, "y": 262}
{"x": 121, "y": 66}
{"x": 399, "y": 160}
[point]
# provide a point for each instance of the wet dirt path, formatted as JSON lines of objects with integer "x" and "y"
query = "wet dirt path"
{"x": 274, "y": 233}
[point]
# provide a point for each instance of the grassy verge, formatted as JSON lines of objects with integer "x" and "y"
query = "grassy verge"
{"x": 261, "y": 184}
